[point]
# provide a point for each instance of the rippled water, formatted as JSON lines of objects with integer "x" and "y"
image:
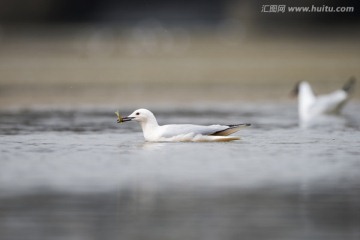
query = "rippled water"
{"x": 76, "y": 174}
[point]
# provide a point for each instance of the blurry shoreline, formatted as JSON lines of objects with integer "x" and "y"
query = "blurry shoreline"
{"x": 141, "y": 94}
{"x": 161, "y": 65}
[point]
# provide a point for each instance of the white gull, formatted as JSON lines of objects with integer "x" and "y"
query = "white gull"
{"x": 311, "y": 106}
{"x": 153, "y": 132}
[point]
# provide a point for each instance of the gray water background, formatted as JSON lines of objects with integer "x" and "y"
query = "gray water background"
{"x": 76, "y": 174}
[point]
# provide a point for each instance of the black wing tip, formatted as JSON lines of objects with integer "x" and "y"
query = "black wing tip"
{"x": 230, "y": 130}
{"x": 240, "y": 125}
{"x": 349, "y": 85}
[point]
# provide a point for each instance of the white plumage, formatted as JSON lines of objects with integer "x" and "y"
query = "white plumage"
{"x": 153, "y": 132}
{"x": 311, "y": 106}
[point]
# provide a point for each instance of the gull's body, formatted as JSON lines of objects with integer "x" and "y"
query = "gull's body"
{"x": 311, "y": 106}
{"x": 153, "y": 132}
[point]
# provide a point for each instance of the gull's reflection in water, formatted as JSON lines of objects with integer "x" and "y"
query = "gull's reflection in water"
{"x": 151, "y": 146}
{"x": 330, "y": 122}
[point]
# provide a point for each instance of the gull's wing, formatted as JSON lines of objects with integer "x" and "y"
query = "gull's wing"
{"x": 230, "y": 129}
{"x": 332, "y": 103}
{"x": 172, "y": 130}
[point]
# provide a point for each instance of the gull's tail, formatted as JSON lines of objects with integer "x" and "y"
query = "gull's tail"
{"x": 349, "y": 85}
{"x": 231, "y": 129}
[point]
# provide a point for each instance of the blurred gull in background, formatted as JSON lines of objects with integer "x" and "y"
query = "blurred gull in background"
{"x": 311, "y": 107}
{"x": 181, "y": 132}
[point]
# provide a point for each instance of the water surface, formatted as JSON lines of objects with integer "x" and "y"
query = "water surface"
{"x": 76, "y": 174}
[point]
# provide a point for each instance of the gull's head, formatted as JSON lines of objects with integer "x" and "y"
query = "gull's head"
{"x": 141, "y": 115}
{"x": 298, "y": 88}
{"x": 295, "y": 91}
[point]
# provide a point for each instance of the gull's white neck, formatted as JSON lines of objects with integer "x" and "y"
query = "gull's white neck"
{"x": 149, "y": 128}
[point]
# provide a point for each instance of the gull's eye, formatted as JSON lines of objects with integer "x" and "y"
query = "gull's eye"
{"x": 137, "y": 113}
